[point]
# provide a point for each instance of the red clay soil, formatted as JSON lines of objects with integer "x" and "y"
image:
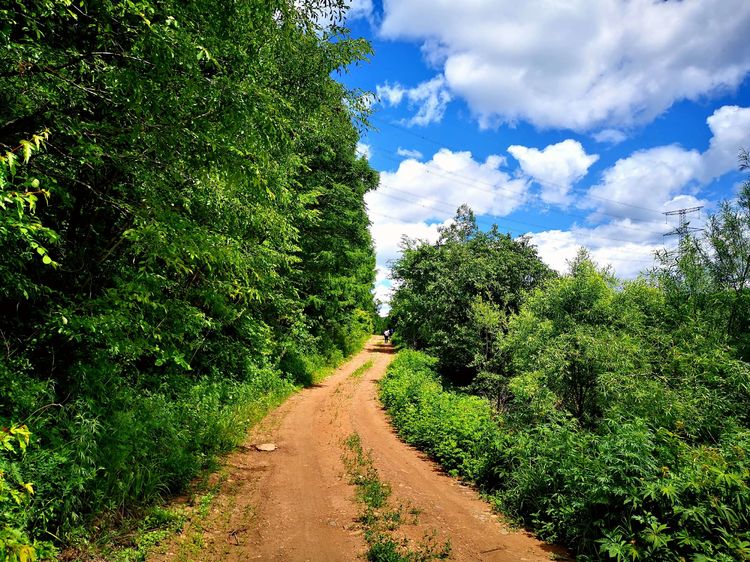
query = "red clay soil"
{"x": 295, "y": 503}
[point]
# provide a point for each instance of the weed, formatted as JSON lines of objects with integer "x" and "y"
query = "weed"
{"x": 379, "y": 519}
{"x": 628, "y": 491}
{"x": 362, "y": 369}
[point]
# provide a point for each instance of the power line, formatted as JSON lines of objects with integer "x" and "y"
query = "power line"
{"x": 471, "y": 183}
{"x": 535, "y": 225}
{"x": 590, "y": 235}
{"x": 612, "y": 256}
{"x": 553, "y": 184}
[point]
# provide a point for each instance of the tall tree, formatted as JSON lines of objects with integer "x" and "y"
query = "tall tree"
{"x": 175, "y": 179}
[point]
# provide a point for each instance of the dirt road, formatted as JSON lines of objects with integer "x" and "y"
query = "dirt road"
{"x": 296, "y": 503}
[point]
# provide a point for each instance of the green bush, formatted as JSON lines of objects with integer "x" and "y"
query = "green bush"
{"x": 140, "y": 446}
{"x": 626, "y": 491}
{"x": 15, "y": 493}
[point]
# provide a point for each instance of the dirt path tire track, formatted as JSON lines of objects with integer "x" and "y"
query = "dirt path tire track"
{"x": 453, "y": 509}
{"x": 295, "y": 503}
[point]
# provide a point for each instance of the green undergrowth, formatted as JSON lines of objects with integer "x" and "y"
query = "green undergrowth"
{"x": 132, "y": 539}
{"x": 211, "y": 425}
{"x": 626, "y": 491}
{"x": 380, "y": 518}
{"x": 135, "y": 538}
{"x": 128, "y": 536}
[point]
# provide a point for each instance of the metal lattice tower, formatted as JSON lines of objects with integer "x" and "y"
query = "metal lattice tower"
{"x": 684, "y": 227}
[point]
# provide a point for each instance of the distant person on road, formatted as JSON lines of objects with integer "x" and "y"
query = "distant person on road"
{"x": 387, "y": 335}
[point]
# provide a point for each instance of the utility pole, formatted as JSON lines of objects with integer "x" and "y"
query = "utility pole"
{"x": 684, "y": 227}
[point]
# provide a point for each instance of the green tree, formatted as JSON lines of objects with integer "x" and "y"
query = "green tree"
{"x": 191, "y": 217}
{"x": 708, "y": 278}
{"x": 448, "y": 293}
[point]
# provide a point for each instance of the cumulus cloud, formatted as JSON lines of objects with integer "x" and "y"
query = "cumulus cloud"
{"x": 628, "y": 259}
{"x": 359, "y": 9}
{"x": 625, "y": 226}
{"x": 664, "y": 178}
{"x": 587, "y": 65}
{"x": 639, "y": 189}
{"x": 432, "y": 190}
{"x": 407, "y": 153}
{"x": 388, "y": 235}
{"x": 418, "y": 198}
{"x": 642, "y": 183}
{"x": 429, "y": 98}
{"x": 730, "y": 126}
{"x": 556, "y": 168}
{"x": 354, "y": 10}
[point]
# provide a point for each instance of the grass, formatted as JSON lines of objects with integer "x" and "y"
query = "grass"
{"x": 379, "y": 518}
{"x": 362, "y": 369}
{"x": 133, "y": 536}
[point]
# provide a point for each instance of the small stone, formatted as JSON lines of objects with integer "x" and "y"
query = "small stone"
{"x": 266, "y": 447}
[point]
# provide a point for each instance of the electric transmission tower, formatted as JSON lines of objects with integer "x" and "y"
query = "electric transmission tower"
{"x": 684, "y": 228}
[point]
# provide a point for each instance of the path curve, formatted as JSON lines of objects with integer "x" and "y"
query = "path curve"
{"x": 295, "y": 503}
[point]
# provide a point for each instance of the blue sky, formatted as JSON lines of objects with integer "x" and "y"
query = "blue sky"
{"x": 576, "y": 122}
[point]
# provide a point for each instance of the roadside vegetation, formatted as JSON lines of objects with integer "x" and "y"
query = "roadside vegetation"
{"x": 361, "y": 370}
{"x": 380, "y": 518}
{"x": 611, "y": 417}
{"x": 184, "y": 240}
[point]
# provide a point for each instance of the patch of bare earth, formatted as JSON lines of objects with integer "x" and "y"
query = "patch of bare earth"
{"x": 295, "y": 503}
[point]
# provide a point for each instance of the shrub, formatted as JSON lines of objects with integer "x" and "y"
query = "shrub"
{"x": 627, "y": 491}
{"x": 15, "y": 491}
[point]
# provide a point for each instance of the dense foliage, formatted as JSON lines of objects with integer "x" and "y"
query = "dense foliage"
{"x": 184, "y": 236}
{"x": 619, "y": 415}
{"x": 454, "y": 295}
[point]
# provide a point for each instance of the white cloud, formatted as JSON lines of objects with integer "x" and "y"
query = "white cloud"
{"x": 431, "y": 98}
{"x": 626, "y": 225}
{"x": 433, "y": 190}
{"x": 649, "y": 182}
{"x": 579, "y": 65}
{"x": 359, "y": 9}
{"x": 557, "y": 248}
{"x": 383, "y": 288}
{"x": 639, "y": 185}
{"x": 610, "y": 136}
{"x": 407, "y": 153}
{"x": 642, "y": 187}
{"x": 556, "y": 168}
{"x": 364, "y": 149}
{"x": 354, "y": 10}
{"x": 388, "y": 234}
{"x": 419, "y": 197}
{"x": 730, "y": 126}
{"x": 390, "y": 95}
